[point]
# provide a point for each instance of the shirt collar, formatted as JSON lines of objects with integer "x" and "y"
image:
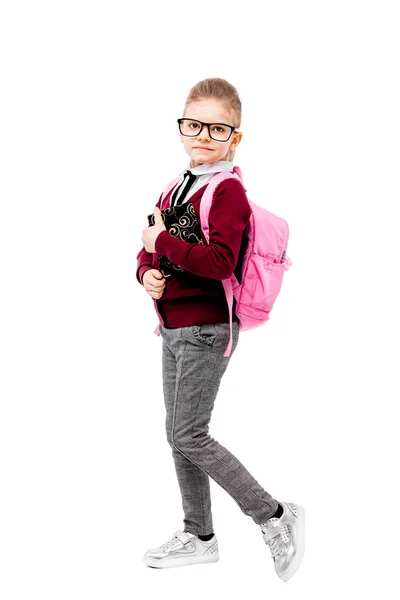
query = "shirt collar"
{"x": 214, "y": 167}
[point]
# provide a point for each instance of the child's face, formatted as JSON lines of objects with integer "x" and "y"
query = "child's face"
{"x": 208, "y": 111}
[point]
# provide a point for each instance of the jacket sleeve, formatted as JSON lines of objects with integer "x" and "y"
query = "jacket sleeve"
{"x": 229, "y": 214}
{"x": 144, "y": 258}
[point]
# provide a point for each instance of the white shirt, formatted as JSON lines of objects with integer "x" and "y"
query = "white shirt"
{"x": 204, "y": 174}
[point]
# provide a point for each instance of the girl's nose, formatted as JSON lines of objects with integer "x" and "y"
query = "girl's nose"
{"x": 201, "y": 134}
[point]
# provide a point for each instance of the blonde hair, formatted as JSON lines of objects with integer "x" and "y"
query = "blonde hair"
{"x": 223, "y": 91}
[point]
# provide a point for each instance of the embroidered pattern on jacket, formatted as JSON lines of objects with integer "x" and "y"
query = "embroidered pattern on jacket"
{"x": 180, "y": 222}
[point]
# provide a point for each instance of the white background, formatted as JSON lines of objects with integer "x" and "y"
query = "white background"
{"x": 90, "y": 96}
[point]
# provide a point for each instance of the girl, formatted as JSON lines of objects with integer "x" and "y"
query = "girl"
{"x": 184, "y": 277}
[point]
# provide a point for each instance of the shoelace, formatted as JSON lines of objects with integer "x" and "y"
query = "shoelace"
{"x": 278, "y": 544}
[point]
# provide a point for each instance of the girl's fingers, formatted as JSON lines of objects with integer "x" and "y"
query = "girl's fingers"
{"x": 154, "y": 291}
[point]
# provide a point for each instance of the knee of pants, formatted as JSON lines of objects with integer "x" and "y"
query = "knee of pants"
{"x": 187, "y": 444}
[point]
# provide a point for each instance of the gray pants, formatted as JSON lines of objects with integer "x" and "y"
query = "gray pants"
{"x": 193, "y": 365}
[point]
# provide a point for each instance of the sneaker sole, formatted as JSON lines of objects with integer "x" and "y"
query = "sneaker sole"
{"x": 164, "y": 563}
{"x": 300, "y": 546}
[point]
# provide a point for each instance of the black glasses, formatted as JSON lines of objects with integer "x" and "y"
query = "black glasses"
{"x": 221, "y": 132}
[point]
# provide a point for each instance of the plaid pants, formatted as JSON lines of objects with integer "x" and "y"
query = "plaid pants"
{"x": 193, "y": 365}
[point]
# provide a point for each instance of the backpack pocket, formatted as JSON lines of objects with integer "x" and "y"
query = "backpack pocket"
{"x": 261, "y": 284}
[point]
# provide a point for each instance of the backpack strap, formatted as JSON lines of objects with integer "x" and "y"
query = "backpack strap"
{"x": 205, "y": 205}
{"x": 206, "y": 200}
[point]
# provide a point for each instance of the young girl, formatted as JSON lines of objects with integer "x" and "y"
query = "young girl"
{"x": 184, "y": 277}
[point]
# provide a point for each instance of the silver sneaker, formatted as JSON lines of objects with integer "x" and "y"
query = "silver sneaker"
{"x": 183, "y": 549}
{"x": 285, "y": 538}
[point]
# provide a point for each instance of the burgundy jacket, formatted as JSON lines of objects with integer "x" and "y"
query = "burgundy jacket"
{"x": 198, "y": 298}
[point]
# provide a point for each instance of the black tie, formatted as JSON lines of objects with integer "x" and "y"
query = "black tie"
{"x": 183, "y": 187}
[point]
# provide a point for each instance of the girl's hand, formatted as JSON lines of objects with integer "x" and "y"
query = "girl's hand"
{"x": 154, "y": 283}
{"x": 150, "y": 233}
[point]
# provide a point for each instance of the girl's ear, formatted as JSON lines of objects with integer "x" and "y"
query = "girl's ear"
{"x": 238, "y": 138}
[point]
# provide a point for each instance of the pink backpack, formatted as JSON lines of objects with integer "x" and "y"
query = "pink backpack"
{"x": 264, "y": 261}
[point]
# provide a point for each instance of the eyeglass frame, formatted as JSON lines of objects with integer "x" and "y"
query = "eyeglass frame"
{"x": 232, "y": 128}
